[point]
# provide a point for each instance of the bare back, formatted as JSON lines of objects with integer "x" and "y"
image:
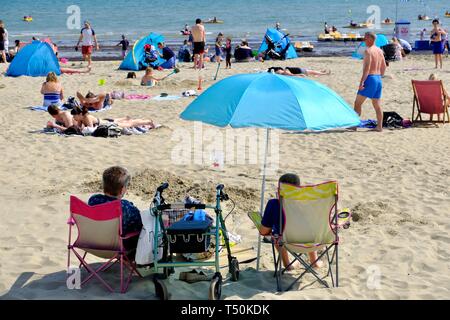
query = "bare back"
{"x": 198, "y": 33}
{"x": 374, "y": 60}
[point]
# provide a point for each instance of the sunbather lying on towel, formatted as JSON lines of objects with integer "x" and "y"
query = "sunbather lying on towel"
{"x": 115, "y": 184}
{"x": 93, "y": 101}
{"x": 84, "y": 119}
{"x": 63, "y": 119}
{"x": 270, "y": 223}
{"x": 298, "y": 72}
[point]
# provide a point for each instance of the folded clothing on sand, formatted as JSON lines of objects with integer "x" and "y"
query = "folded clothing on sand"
{"x": 166, "y": 98}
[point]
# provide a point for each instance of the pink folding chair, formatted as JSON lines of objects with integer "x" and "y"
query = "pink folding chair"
{"x": 100, "y": 234}
{"x": 429, "y": 98}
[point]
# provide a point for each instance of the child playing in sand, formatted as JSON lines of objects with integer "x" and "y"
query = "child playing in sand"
{"x": 115, "y": 185}
{"x": 148, "y": 79}
{"x": 270, "y": 223}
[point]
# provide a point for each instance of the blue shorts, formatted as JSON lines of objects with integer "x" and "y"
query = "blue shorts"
{"x": 373, "y": 87}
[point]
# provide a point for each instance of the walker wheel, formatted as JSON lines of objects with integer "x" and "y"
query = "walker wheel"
{"x": 215, "y": 288}
{"x": 234, "y": 269}
{"x": 168, "y": 271}
{"x": 160, "y": 289}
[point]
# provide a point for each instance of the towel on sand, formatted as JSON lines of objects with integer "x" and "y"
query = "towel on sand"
{"x": 44, "y": 109}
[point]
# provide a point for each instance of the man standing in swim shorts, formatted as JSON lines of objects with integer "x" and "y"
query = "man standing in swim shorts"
{"x": 199, "y": 40}
{"x": 87, "y": 40}
{"x": 371, "y": 85}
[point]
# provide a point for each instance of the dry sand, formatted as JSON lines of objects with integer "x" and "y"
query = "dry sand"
{"x": 396, "y": 183}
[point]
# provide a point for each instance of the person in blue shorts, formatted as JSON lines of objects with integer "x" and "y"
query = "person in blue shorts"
{"x": 371, "y": 85}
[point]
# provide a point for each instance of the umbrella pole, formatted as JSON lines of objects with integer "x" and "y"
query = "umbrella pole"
{"x": 263, "y": 189}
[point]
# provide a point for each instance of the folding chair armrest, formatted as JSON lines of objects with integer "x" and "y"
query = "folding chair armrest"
{"x": 130, "y": 235}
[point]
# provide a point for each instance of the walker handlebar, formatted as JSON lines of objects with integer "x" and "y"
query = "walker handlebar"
{"x": 175, "y": 206}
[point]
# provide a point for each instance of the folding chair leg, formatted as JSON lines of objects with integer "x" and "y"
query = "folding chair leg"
{"x": 337, "y": 265}
{"x": 92, "y": 272}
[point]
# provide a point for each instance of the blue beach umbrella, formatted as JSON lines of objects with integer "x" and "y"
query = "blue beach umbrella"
{"x": 268, "y": 100}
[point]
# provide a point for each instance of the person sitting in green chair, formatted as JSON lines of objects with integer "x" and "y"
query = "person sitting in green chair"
{"x": 270, "y": 224}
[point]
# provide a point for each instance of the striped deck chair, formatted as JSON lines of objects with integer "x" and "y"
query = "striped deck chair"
{"x": 100, "y": 234}
{"x": 311, "y": 223}
{"x": 429, "y": 98}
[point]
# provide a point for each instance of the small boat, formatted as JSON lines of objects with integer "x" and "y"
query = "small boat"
{"x": 303, "y": 46}
{"x": 387, "y": 21}
{"x": 214, "y": 21}
{"x": 28, "y": 18}
{"x": 447, "y": 14}
{"x": 325, "y": 37}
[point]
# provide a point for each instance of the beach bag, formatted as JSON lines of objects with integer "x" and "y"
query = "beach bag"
{"x": 392, "y": 120}
{"x": 144, "y": 249}
{"x": 71, "y": 103}
{"x": 107, "y": 131}
{"x": 189, "y": 236}
{"x": 74, "y": 130}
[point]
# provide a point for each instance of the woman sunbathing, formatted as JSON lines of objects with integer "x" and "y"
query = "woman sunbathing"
{"x": 64, "y": 119}
{"x": 84, "y": 119}
{"x": 95, "y": 102}
{"x": 52, "y": 90}
{"x": 298, "y": 72}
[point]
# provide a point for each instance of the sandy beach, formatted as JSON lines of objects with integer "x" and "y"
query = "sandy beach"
{"x": 396, "y": 183}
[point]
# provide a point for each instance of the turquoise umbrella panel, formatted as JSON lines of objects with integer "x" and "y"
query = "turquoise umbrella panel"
{"x": 268, "y": 100}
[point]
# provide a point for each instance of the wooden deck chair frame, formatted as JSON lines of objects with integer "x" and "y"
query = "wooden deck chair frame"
{"x": 330, "y": 250}
{"x": 107, "y": 216}
{"x": 416, "y": 105}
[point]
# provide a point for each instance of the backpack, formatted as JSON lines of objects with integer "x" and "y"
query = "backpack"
{"x": 71, "y": 103}
{"x": 107, "y": 131}
{"x": 73, "y": 130}
{"x": 392, "y": 120}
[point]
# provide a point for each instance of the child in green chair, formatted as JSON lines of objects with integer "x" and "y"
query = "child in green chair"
{"x": 270, "y": 223}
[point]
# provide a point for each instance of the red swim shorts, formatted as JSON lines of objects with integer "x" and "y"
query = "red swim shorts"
{"x": 87, "y": 49}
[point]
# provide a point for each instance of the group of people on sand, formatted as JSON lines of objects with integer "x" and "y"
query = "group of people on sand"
{"x": 116, "y": 181}
{"x": 80, "y": 117}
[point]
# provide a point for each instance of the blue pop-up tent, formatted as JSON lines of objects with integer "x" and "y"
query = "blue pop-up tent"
{"x": 381, "y": 41}
{"x": 281, "y": 41}
{"x": 36, "y": 59}
{"x": 135, "y": 58}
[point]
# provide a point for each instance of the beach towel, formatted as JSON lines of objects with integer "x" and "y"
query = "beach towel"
{"x": 44, "y": 109}
{"x": 138, "y": 96}
{"x": 166, "y": 98}
{"x": 88, "y": 131}
{"x": 370, "y": 124}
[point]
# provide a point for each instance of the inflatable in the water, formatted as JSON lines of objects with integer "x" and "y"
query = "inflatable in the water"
{"x": 447, "y": 14}
{"x": 214, "y": 21}
{"x": 303, "y": 46}
{"x": 28, "y": 18}
{"x": 424, "y": 18}
{"x": 185, "y": 33}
